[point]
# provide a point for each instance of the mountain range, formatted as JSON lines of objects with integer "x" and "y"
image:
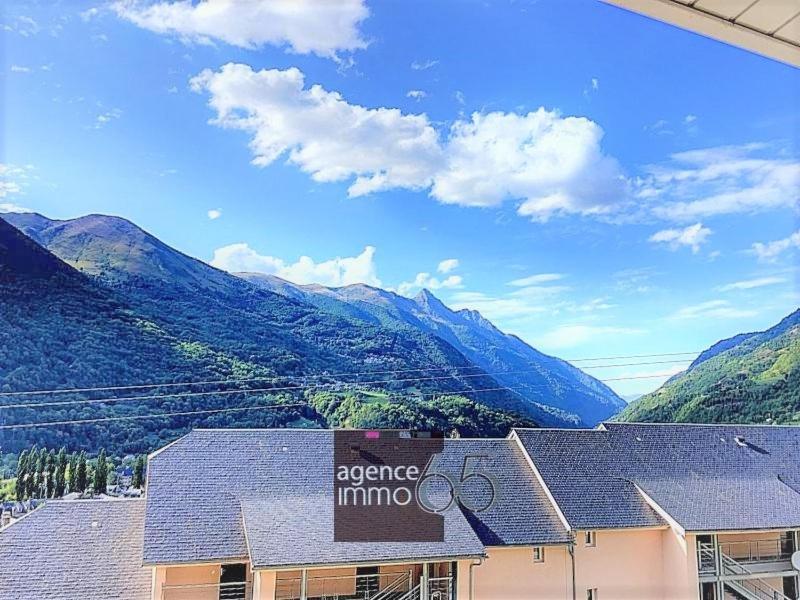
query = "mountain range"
{"x": 97, "y": 301}
{"x": 748, "y": 378}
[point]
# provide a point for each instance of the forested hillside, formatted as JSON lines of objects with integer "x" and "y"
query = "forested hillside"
{"x": 750, "y": 378}
{"x": 127, "y": 323}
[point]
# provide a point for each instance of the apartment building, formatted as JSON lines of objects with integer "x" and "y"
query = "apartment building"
{"x": 625, "y": 511}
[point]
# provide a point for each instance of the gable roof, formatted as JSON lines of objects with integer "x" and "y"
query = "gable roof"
{"x": 687, "y": 470}
{"x": 88, "y": 549}
{"x": 212, "y": 491}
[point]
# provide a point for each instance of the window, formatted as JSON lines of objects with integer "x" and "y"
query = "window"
{"x": 538, "y": 554}
{"x": 590, "y": 538}
{"x": 591, "y": 594}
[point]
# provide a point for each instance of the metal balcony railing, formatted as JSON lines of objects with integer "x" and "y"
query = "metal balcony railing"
{"x": 748, "y": 551}
{"x": 379, "y": 586}
{"x": 208, "y": 591}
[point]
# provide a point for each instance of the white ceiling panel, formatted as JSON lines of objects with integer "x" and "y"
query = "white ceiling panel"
{"x": 727, "y": 9}
{"x": 769, "y": 15}
{"x": 791, "y": 31}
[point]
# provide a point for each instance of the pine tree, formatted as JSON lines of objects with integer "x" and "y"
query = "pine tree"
{"x": 72, "y": 480}
{"x": 22, "y": 475}
{"x": 80, "y": 474}
{"x": 50, "y": 474}
{"x": 138, "y": 472}
{"x": 32, "y": 480}
{"x": 60, "y": 484}
{"x": 41, "y": 473}
{"x": 101, "y": 473}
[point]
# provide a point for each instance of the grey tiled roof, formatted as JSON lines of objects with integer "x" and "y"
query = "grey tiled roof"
{"x": 199, "y": 488}
{"x": 298, "y": 530}
{"x": 698, "y": 474}
{"x": 89, "y": 549}
{"x": 522, "y": 514}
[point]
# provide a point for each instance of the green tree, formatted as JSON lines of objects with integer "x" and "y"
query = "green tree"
{"x": 50, "y": 474}
{"x": 81, "y": 479}
{"x": 101, "y": 473}
{"x": 22, "y": 475}
{"x": 60, "y": 484}
{"x": 32, "y": 480}
{"x": 72, "y": 480}
{"x": 138, "y": 472}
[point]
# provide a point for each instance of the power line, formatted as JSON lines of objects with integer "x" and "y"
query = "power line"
{"x": 199, "y": 412}
{"x": 248, "y": 408}
{"x": 317, "y": 376}
{"x": 180, "y": 395}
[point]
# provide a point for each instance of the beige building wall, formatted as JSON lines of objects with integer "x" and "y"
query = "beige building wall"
{"x": 679, "y": 567}
{"x": 624, "y": 565}
{"x": 511, "y": 574}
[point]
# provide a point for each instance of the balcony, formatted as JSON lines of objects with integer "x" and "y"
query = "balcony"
{"x": 208, "y": 591}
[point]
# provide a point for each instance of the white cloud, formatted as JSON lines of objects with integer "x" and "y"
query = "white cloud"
{"x": 595, "y": 83}
{"x": 24, "y": 26}
{"x": 427, "y": 281}
{"x": 688, "y": 119}
{"x": 459, "y": 96}
{"x": 320, "y": 132}
{"x": 20, "y": 69}
{"x": 713, "y": 309}
{"x": 12, "y": 179}
{"x": 447, "y": 265}
{"x": 423, "y": 65}
{"x": 693, "y": 236}
{"x": 749, "y": 284}
{"x": 106, "y": 117}
{"x": 321, "y": 27}
{"x": 10, "y": 207}
{"x": 90, "y": 13}
{"x": 569, "y": 336}
{"x": 416, "y": 94}
{"x": 536, "y": 279}
{"x": 770, "y": 251}
{"x": 496, "y": 308}
{"x": 214, "y": 213}
{"x": 334, "y": 272}
{"x": 552, "y": 164}
{"x": 722, "y": 180}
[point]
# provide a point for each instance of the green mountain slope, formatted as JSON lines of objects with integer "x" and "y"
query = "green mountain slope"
{"x": 751, "y": 378}
{"x": 549, "y": 382}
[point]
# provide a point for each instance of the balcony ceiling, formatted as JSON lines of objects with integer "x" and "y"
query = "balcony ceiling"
{"x": 767, "y": 27}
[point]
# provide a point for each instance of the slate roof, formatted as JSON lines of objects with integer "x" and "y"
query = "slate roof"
{"x": 208, "y": 488}
{"x": 87, "y": 549}
{"x": 698, "y": 474}
{"x": 306, "y": 523}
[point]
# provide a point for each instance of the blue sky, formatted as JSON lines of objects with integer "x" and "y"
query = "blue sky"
{"x": 596, "y": 182}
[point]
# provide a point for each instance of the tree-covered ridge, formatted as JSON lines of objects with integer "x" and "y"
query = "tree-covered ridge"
{"x": 756, "y": 380}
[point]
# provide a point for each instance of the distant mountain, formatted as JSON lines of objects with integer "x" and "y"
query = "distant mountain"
{"x": 748, "y": 378}
{"x": 262, "y": 326}
{"x": 539, "y": 378}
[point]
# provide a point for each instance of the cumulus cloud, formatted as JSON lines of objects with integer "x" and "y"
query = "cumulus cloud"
{"x": 12, "y": 179}
{"x": 749, "y": 284}
{"x": 20, "y": 69}
{"x": 722, "y": 180}
{"x": 693, "y": 236}
{"x": 447, "y": 265}
{"x": 553, "y": 164}
{"x": 427, "y": 281}
{"x": 335, "y": 272}
{"x": 713, "y": 309}
{"x": 214, "y": 213}
{"x": 320, "y": 132}
{"x": 320, "y": 27}
{"x": 770, "y": 251}
{"x": 416, "y": 94}
{"x": 548, "y": 163}
{"x": 106, "y": 117}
